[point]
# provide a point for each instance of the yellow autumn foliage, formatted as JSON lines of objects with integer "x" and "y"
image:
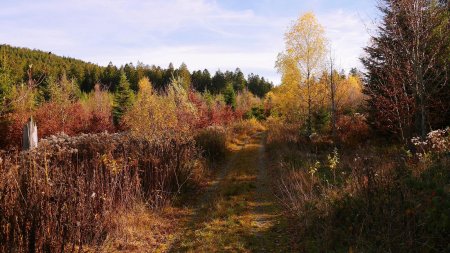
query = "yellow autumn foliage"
{"x": 153, "y": 116}
{"x": 299, "y": 94}
{"x": 349, "y": 93}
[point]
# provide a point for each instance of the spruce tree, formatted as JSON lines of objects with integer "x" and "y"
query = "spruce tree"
{"x": 123, "y": 98}
{"x": 239, "y": 82}
{"x": 230, "y": 96}
{"x": 218, "y": 83}
{"x": 407, "y": 75}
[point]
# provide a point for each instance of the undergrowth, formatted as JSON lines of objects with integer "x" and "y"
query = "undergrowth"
{"x": 370, "y": 198}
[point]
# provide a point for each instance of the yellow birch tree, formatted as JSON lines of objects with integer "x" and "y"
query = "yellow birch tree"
{"x": 302, "y": 59}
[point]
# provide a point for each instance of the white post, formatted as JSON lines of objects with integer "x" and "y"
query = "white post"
{"x": 30, "y": 136}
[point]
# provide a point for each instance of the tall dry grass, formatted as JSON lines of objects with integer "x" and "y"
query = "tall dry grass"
{"x": 63, "y": 195}
{"x": 212, "y": 141}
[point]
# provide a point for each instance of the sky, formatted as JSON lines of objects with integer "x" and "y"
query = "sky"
{"x": 212, "y": 34}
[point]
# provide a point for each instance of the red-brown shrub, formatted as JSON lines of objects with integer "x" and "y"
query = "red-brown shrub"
{"x": 352, "y": 130}
{"x": 202, "y": 110}
{"x": 11, "y": 126}
{"x": 99, "y": 122}
{"x": 221, "y": 115}
{"x": 52, "y": 118}
{"x": 99, "y": 107}
{"x": 216, "y": 114}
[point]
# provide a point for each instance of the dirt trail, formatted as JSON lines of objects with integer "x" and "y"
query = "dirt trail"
{"x": 238, "y": 213}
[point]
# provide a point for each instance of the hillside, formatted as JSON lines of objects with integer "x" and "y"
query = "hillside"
{"x": 15, "y": 62}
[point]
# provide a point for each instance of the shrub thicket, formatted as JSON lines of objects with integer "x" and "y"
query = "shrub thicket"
{"x": 64, "y": 194}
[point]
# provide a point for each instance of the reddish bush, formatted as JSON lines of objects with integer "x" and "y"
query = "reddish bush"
{"x": 98, "y": 106}
{"x": 99, "y": 122}
{"x": 11, "y": 126}
{"x": 72, "y": 119}
{"x": 352, "y": 129}
{"x": 213, "y": 115}
{"x": 53, "y": 118}
{"x": 221, "y": 115}
{"x": 202, "y": 110}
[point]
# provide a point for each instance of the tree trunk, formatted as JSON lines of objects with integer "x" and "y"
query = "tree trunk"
{"x": 333, "y": 104}
{"x": 309, "y": 125}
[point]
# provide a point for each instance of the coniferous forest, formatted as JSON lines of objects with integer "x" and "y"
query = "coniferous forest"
{"x": 144, "y": 158}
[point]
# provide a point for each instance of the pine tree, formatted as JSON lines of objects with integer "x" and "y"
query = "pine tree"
{"x": 230, "y": 96}
{"x": 132, "y": 75}
{"x": 239, "y": 82}
{"x": 123, "y": 99}
{"x": 111, "y": 76}
{"x": 218, "y": 83}
{"x": 258, "y": 86}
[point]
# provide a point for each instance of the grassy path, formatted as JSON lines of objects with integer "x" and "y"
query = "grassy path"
{"x": 237, "y": 213}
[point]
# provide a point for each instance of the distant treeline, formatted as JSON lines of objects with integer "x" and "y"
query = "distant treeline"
{"x": 15, "y": 63}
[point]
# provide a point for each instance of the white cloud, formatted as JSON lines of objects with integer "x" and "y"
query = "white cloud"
{"x": 201, "y": 33}
{"x": 348, "y": 34}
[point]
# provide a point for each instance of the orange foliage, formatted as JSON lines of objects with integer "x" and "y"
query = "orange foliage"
{"x": 53, "y": 118}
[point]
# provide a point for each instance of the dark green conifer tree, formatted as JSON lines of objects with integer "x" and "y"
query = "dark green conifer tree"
{"x": 218, "y": 83}
{"x": 123, "y": 98}
{"x": 230, "y": 96}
